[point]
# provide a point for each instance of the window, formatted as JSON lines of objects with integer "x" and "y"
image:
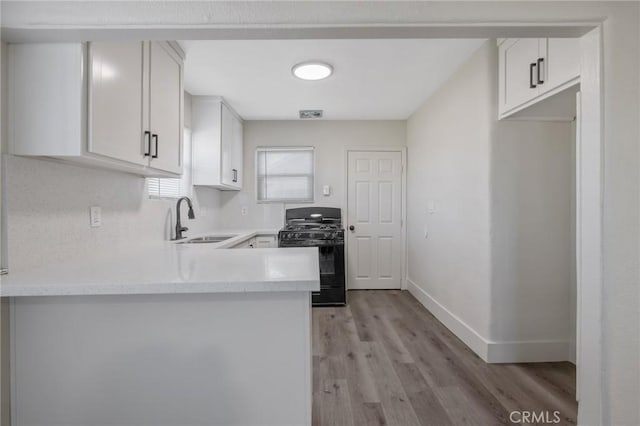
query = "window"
{"x": 284, "y": 175}
{"x": 179, "y": 187}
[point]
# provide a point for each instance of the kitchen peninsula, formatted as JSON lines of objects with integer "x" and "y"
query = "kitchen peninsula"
{"x": 170, "y": 334}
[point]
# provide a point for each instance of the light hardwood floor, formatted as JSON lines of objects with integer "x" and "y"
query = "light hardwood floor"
{"x": 385, "y": 360}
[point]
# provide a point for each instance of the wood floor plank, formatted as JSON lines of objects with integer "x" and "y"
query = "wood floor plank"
{"x": 316, "y": 373}
{"x": 334, "y": 403}
{"x": 332, "y": 367}
{"x": 360, "y": 378}
{"x": 365, "y": 400}
{"x": 395, "y": 402}
{"x": 385, "y": 360}
{"x": 333, "y": 338}
{"x": 373, "y": 415}
{"x": 349, "y": 330}
{"x": 316, "y": 342}
{"x": 376, "y": 313}
{"x": 315, "y": 406}
{"x": 424, "y": 401}
{"x": 464, "y": 410}
{"x": 361, "y": 317}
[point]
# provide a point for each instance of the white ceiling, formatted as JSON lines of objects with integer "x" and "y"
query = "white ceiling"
{"x": 372, "y": 79}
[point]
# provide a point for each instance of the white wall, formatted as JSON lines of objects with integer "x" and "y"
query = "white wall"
{"x": 48, "y": 212}
{"x": 449, "y": 147}
{"x": 531, "y": 186}
{"x": 329, "y": 139}
{"x": 5, "y": 397}
{"x": 497, "y": 257}
{"x": 621, "y": 239}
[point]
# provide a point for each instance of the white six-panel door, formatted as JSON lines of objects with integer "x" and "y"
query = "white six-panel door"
{"x": 374, "y": 227}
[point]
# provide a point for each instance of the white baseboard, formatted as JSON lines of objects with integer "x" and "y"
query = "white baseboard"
{"x": 489, "y": 351}
{"x": 463, "y": 331}
{"x": 528, "y": 351}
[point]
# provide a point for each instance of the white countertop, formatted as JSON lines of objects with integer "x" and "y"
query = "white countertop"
{"x": 170, "y": 268}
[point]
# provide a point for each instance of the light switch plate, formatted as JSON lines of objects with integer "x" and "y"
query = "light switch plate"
{"x": 95, "y": 217}
{"x": 244, "y": 210}
{"x": 326, "y": 190}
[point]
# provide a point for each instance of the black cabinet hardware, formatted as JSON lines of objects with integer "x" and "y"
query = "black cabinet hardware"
{"x": 147, "y": 143}
{"x": 155, "y": 138}
{"x": 235, "y": 175}
{"x": 352, "y": 228}
{"x": 532, "y": 67}
{"x": 539, "y": 73}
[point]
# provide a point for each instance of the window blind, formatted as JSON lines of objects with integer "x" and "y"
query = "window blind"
{"x": 170, "y": 187}
{"x": 285, "y": 174}
{"x": 165, "y": 188}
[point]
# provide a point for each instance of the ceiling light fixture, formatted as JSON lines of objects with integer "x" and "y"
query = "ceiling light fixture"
{"x": 312, "y": 70}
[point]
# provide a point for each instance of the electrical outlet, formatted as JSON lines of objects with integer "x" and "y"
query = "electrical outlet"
{"x": 244, "y": 210}
{"x": 95, "y": 217}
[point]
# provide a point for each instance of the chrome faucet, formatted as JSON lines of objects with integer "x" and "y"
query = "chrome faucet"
{"x": 179, "y": 228}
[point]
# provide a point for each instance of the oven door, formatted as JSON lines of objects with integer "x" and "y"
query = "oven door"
{"x": 332, "y": 278}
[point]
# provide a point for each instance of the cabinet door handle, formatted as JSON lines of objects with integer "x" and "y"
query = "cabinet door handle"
{"x": 147, "y": 143}
{"x": 540, "y": 62}
{"x": 532, "y": 67}
{"x": 235, "y": 175}
{"x": 155, "y": 138}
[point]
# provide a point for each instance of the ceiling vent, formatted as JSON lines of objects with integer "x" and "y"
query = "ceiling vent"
{"x": 311, "y": 113}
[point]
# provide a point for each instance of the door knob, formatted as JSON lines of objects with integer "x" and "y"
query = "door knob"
{"x": 352, "y": 228}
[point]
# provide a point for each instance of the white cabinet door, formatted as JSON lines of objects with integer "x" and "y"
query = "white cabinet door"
{"x": 46, "y": 89}
{"x": 217, "y": 144}
{"x": 374, "y": 252}
{"x": 116, "y": 127}
{"x": 238, "y": 156}
{"x": 165, "y": 108}
{"x": 227, "y": 148}
{"x": 518, "y": 72}
{"x": 265, "y": 241}
{"x": 205, "y": 140}
{"x": 562, "y": 60}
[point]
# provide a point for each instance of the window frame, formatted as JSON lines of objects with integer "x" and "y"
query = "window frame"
{"x": 285, "y": 148}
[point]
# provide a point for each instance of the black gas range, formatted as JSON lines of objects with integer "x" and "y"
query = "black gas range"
{"x": 319, "y": 227}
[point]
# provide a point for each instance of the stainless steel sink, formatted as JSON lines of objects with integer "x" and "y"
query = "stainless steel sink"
{"x": 208, "y": 239}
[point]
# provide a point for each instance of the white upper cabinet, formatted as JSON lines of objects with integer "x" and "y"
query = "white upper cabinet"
{"x": 115, "y": 105}
{"x": 165, "y": 108}
{"x": 563, "y": 61}
{"x": 516, "y": 58}
{"x": 533, "y": 69}
{"x": 238, "y": 151}
{"x": 217, "y": 138}
{"x": 116, "y": 123}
